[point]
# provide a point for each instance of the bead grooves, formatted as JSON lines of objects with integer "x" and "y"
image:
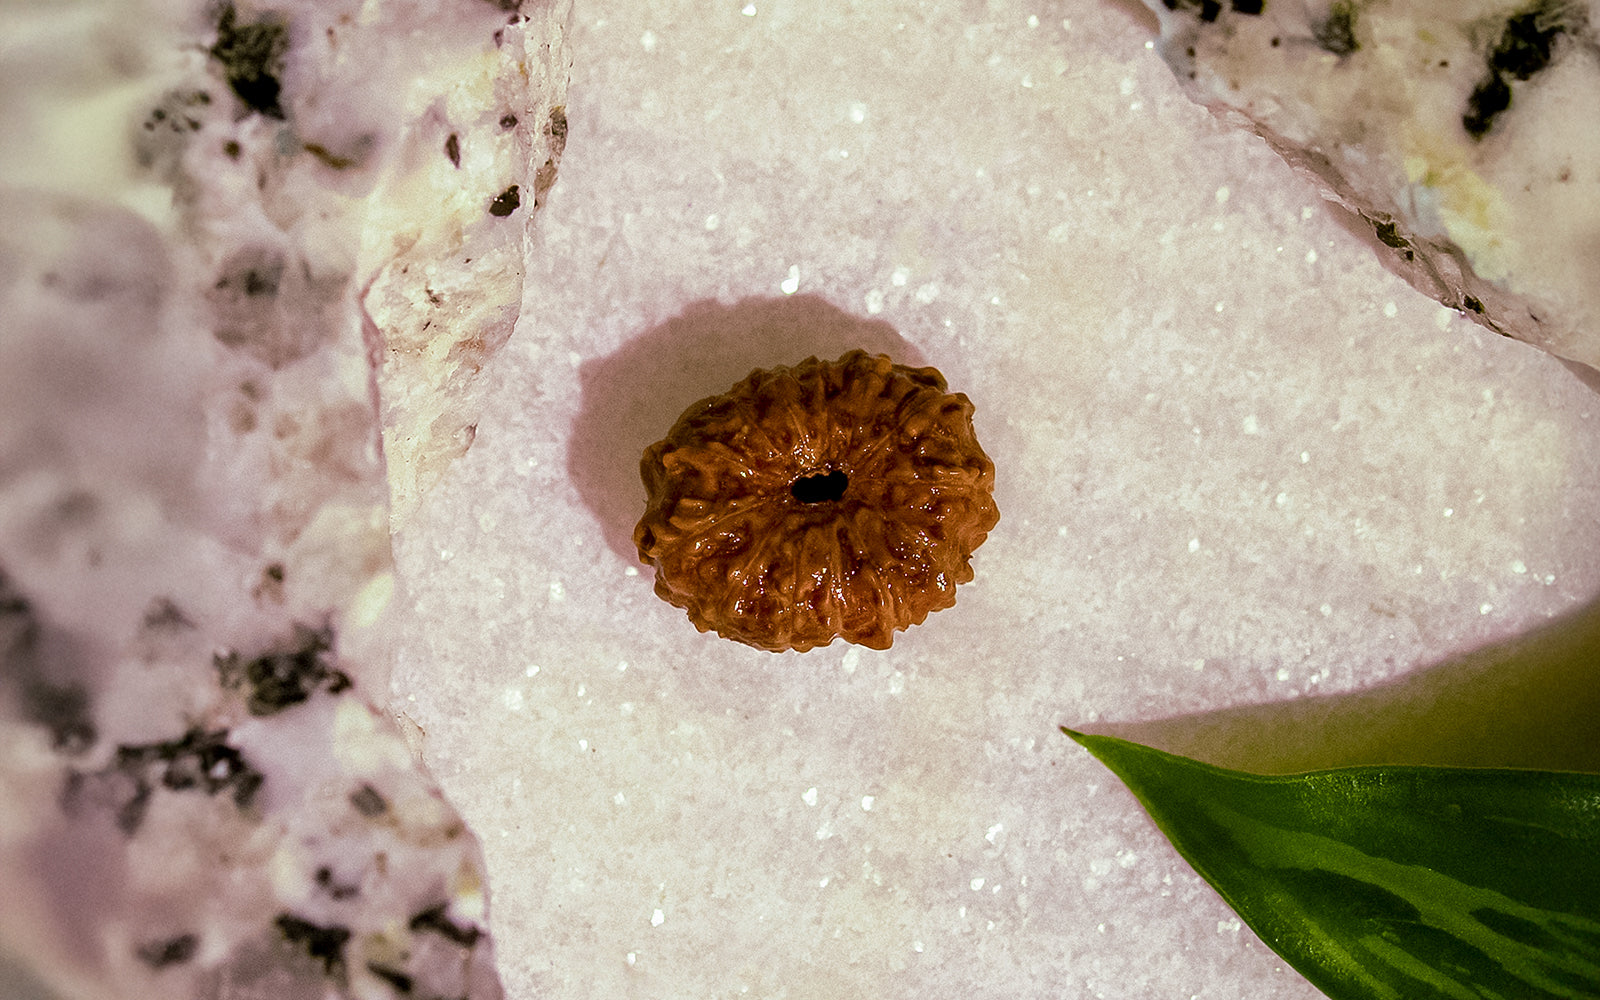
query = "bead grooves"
{"x": 738, "y": 544}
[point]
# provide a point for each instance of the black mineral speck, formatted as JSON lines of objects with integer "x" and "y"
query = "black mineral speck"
{"x": 1337, "y": 34}
{"x": 197, "y": 761}
{"x": 335, "y": 889}
{"x": 452, "y": 150}
{"x": 60, "y": 706}
{"x": 1210, "y": 10}
{"x": 270, "y": 586}
{"x": 1388, "y": 235}
{"x": 508, "y": 121}
{"x": 505, "y": 202}
{"x": 397, "y": 980}
{"x": 251, "y": 273}
{"x": 367, "y": 801}
{"x": 1525, "y": 45}
{"x": 169, "y": 951}
{"x": 325, "y": 944}
{"x": 285, "y": 675}
{"x": 252, "y": 58}
{"x": 1472, "y": 304}
{"x": 436, "y": 920}
{"x": 204, "y": 762}
{"x": 64, "y": 710}
{"x": 1524, "y": 48}
{"x": 178, "y": 112}
{"x": 332, "y": 160}
{"x": 1490, "y": 97}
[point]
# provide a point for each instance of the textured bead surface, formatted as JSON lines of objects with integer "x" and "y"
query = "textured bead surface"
{"x": 756, "y": 557}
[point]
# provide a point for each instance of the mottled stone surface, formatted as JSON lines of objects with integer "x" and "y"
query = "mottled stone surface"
{"x": 208, "y": 214}
{"x": 1455, "y": 133}
{"x": 483, "y": 99}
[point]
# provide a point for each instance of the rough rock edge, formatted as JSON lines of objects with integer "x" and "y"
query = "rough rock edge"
{"x": 1433, "y": 263}
{"x": 207, "y": 796}
{"x": 1437, "y": 268}
{"x": 446, "y": 288}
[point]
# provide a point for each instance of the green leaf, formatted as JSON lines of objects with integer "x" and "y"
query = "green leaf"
{"x": 1394, "y": 883}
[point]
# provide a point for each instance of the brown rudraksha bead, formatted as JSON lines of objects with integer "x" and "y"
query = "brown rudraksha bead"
{"x": 826, "y": 500}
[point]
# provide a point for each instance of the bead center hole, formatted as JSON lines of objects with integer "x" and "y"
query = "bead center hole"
{"x": 820, "y": 487}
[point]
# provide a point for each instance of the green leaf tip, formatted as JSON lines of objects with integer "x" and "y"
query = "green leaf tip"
{"x": 1395, "y": 883}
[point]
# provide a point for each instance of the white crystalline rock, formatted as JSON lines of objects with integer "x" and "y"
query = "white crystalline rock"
{"x": 485, "y": 126}
{"x": 1461, "y": 134}
{"x": 232, "y": 236}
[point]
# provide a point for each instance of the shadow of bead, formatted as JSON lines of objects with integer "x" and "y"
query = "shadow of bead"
{"x": 631, "y": 396}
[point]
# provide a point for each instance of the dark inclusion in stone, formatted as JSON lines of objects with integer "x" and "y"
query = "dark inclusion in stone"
{"x": 1210, "y": 10}
{"x": 1390, "y": 237}
{"x": 505, "y": 202}
{"x": 1524, "y": 46}
{"x": 62, "y": 707}
{"x": 1524, "y": 49}
{"x": 64, "y": 710}
{"x": 399, "y": 981}
{"x": 556, "y": 127}
{"x": 197, "y": 761}
{"x": 252, "y": 58}
{"x": 1338, "y": 33}
{"x": 436, "y": 920}
{"x": 286, "y": 675}
{"x": 251, "y": 273}
{"x": 335, "y": 889}
{"x": 172, "y": 951}
{"x": 19, "y": 628}
{"x": 369, "y": 802}
{"x": 324, "y": 944}
{"x": 177, "y": 112}
{"x": 164, "y": 615}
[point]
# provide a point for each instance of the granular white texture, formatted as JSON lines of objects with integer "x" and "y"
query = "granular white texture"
{"x": 1241, "y": 465}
